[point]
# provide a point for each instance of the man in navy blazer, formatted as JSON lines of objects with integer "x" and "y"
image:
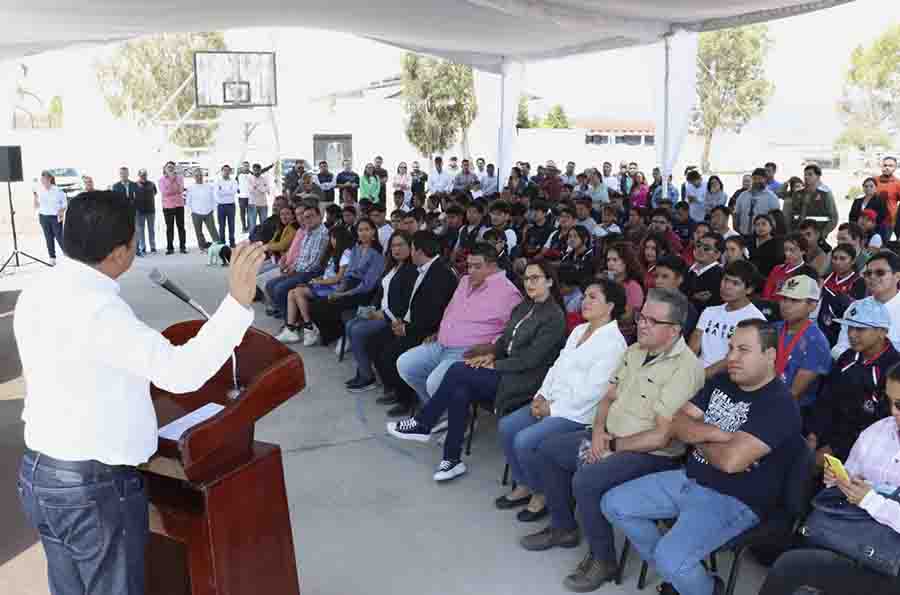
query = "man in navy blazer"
{"x": 125, "y": 186}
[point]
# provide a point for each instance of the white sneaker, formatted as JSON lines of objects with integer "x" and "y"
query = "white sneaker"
{"x": 337, "y": 348}
{"x": 53, "y": 262}
{"x": 288, "y": 336}
{"x": 448, "y": 470}
{"x": 311, "y": 336}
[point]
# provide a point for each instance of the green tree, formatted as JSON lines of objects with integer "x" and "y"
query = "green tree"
{"x": 731, "y": 84}
{"x": 870, "y": 105}
{"x": 55, "y": 112}
{"x": 522, "y": 118}
{"x": 556, "y": 118}
{"x": 440, "y": 103}
{"x": 142, "y": 74}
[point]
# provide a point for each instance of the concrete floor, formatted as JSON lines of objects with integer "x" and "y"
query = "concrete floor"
{"x": 366, "y": 515}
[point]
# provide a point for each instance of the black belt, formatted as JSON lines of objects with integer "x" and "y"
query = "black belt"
{"x": 95, "y": 467}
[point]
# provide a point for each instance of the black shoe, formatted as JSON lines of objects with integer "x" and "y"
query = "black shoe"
{"x": 353, "y": 380}
{"x": 362, "y": 386}
{"x": 504, "y": 503}
{"x": 387, "y": 400}
{"x": 718, "y": 586}
{"x": 169, "y": 251}
{"x": 549, "y": 538}
{"x": 668, "y": 589}
{"x": 590, "y": 575}
{"x": 183, "y": 250}
{"x": 153, "y": 251}
{"x": 526, "y": 516}
{"x": 400, "y": 410}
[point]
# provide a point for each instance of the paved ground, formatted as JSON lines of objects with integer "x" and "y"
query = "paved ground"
{"x": 366, "y": 515}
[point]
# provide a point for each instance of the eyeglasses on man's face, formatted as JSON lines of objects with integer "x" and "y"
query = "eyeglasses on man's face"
{"x": 650, "y": 321}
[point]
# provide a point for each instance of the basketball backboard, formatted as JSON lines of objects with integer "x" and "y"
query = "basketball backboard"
{"x": 235, "y": 79}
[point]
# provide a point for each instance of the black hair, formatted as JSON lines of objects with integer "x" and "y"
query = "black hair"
{"x": 744, "y": 270}
{"x": 492, "y": 235}
{"x": 657, "y": 212}
{"x": 568, "y": 211}
{"x": 768, "y": 336}
{"x": 334, "y": 209}
{"x": 347, "y": 209}
{"x": 717, "y": 238}
{"x": 813, "y": 168}
{"x": 810, "y": 224}
{"x": 721, "y": 209}
{"x": 614, "y": 294}
{"x": 847, "y": 249}
{"x": 343, "y": 240}
{"x": 427, "y": 242}
{"x": 485, "y": 250}
{"x": 760, "y": 172}
{"x": 772, "y": 165}
{"x": 797, "y": 239}
{"x": 889, "y": 257}
{"x": 378, "y": 207}
{"x": 455, "y": 210}
{"x": 478, "y": 206}
{"x": 501, "y": 206}
{"x": 674, "y": 263}
{"x": 97, "y": 223}
{"x": 693, "y": 175}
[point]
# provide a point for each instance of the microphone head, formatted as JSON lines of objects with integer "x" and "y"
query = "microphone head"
{"x": 157, "y": 276}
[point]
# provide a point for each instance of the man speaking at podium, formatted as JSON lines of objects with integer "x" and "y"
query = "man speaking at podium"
{"x": 88, "y": 362}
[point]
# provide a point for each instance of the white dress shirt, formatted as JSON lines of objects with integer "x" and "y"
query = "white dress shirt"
{"x": 200, "y": 199}
{"x": 226, "y": 191}
{"x": 50, "y": 200}
{"x": 88, "y": 370}
{"x": 440, "y": 182}
{"x": 244, "y": 184}
{"x": 490, "y": 185}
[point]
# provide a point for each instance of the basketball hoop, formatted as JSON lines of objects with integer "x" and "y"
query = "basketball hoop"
{"x": 230, "y": 80}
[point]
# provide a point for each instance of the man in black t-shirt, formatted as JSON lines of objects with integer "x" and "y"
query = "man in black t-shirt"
{"x": 744, "y": 428}
{"x": 382, "y": 176}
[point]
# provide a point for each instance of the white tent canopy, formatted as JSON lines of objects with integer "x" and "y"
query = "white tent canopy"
{"x": 492, "y": 35}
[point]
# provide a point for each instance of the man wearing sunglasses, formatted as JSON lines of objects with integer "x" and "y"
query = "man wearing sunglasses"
{"x": 704, "y": 278}
{"x": 882, "y": 276}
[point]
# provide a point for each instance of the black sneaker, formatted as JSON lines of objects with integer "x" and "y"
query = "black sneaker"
{"x": 409, "y": 429}
{"x": 353, "y": 380}
{"x": 169, "y": 251}
{"x": 361, "y": 386}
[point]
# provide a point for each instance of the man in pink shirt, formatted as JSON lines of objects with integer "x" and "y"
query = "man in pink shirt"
{"x": 476, "y": 315}
{"x": 171, "y": 187}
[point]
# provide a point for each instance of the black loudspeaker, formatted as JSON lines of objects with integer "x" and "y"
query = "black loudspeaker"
{"x": 11, "y": 164}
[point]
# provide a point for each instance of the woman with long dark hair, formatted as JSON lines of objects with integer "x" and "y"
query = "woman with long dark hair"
{"x": 651, "y": 249}
{"x": 766, "y": 250}
{"x": 355, "y": 289}
{"x": 390, "y": 303}
{"x": 369, "y": 184}
{"x": 623, "y": 267}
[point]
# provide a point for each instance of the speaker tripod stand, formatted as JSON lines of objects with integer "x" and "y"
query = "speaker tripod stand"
{"x": 16, "y": 253}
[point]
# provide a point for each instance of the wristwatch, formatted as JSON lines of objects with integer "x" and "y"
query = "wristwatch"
{"x": 612, "y": 445}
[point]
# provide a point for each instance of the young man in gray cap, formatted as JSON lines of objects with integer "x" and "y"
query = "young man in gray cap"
{"x": 853, "y": 395}
{"x": 804, "y": 355}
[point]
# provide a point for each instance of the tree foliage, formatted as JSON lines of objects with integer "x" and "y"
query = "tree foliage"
{"x": 142, "y": 74}
{"x": 522, "y": 118}
{"x": 440, "y": 102}
{"x": 731, "y": 84}
{"x": 870, "y": 105}
{"x": 556, "y": 118}
{"x": 55, "y": 112}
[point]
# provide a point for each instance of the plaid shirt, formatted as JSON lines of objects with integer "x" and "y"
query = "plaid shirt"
{"x": 313, "y": 247}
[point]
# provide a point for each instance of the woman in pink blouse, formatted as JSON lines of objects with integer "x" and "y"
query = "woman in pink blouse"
{"x": 640, "y": 192}
{"x": 171, "y": 187}
{"x": 623, "y": 267}
{"x": 874, "y": 473}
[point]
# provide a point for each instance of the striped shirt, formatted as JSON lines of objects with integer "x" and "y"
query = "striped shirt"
{"x": 311, "y": 252}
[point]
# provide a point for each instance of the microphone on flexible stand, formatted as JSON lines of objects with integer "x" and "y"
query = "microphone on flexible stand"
{"x": 160, "y": 278}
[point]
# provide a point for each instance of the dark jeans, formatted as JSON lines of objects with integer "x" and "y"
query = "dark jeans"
{"x": 226, "y": 216}
{"x": 278, "y": 288}
{"x": 53, "y": 232}
{"x": 327, "y": 314}
{"x": 557, "y": 467}
{"x": 174, "y": 217}
{"x": 360, "y": 332}
{"x": 93, "y": 523}
{"x": 462, "y": 385}
{"x": 384, "y": 349}
{"x": 243, "y": 203}
{"x": 826, "y": 573}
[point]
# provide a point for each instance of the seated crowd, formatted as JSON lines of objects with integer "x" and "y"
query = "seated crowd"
{"x": 651, "y": 353}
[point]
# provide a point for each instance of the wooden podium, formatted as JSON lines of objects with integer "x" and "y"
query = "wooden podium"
{"x": 219, "y": 517}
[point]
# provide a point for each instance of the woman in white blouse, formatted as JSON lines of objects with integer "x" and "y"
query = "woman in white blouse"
{"x": 874, "y": 471}
{"x": 567, "y": 400}
{"x": 50, "y": 203}
{"x": 403, "y": 182}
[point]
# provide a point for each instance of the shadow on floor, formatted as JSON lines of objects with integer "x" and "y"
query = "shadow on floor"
{"x": 17, "y": 534}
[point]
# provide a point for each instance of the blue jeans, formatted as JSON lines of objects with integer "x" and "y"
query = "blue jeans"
{"x": 556, "y": 465}
{"x": 278, "y": 288}
{"x": 252, "y": 211}
{"x": 360, "y": 330}
{"x": 463, "y": 386}
{"x": 423, "y": 367}
{"x": 53, "y": 232}
{"x": 706, "y": 520}
{"x": 522, "y": 434}
{"x": 93, "y": 523}
{"x": 148, "y": 221}
{"x": 226, "y": 216}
